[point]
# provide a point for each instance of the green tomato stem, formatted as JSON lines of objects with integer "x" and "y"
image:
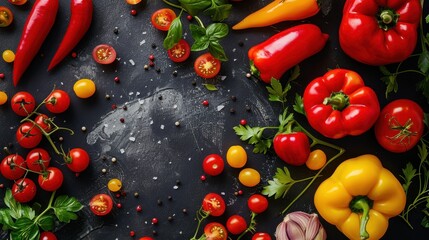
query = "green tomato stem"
{"x": 184, "y": 10}
{"x": 251, "y": 227}
{"x": 49, "y": 207}
{"x": 201, "y": 215}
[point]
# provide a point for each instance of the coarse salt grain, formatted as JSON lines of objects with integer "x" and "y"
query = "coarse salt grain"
{"x": 132, "y": 62}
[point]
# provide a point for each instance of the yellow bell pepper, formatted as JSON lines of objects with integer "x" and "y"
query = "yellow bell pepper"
{"x": 360, "y": 197}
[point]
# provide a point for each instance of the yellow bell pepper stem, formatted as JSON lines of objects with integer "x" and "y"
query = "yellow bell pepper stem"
{"x": 279, "y": 11}
{"x": 362, "y": 205}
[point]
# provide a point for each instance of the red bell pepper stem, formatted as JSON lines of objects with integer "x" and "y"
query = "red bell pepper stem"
{"x": 80, "y": 21}
{"x": 37, "y": 26}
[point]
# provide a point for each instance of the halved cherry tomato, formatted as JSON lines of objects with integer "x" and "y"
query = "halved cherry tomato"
{"x": 236, "y": 224}
{"x": 180, "y": 51}
{"x": 38, "y": 159}
{"x": 12, "y": 167}
{"x": 236, "y": 156}
{"x": 6, "y": 16}
{"x": 28, "y": 135}
{"x": 249, "y": 177}
{"x": 24, "y": 190}
{"x": 44, "y": 122}
{"x": 47, "y": 236}
{"x": 261, "y": 236}
{"x": 215, "y": 231}
{"x": 162, "y": 18}
{"x": 257, "y": 203}
{"x": 18, "y": 2}
{"x": 3, "y": 97}
{"x": 22, "y": 103}
{"x": 133, "y": 2}
{"x": 213, "y": 164}
{"x": 207, "y": 66}
{"x": 214, "y": 204}
{"x": 316, "y": 160}
{"x": 104, "y": 54}
{"x": 101, "y": 204}
{"x": 58, "y": 101}
{"x": 77, "y": 160}
{"x": 51, "y": 180}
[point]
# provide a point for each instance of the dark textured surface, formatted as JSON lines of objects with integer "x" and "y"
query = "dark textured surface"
{"x": 152, "y": 153}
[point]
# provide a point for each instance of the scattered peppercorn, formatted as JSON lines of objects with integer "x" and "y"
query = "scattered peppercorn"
{"x": 232, "y": 110}
{"x": 177, "y": 123}
{"x": 153, "y": 45}
{"x": 154, "y": 232}
{"x": 158, "y": 70}
{"x": 189, "y": 17}
{"x": 133, "y": 12}
{"x": 146, "y": 67}
{"x": 136, "y": 194}
{"x": 247, "y": 108}
{"x": 178, "y": 182}
{"x": 154, "y": 221}
{"x": 1, "y": 75}
{"x": 139, "y": 208}
{"x": 184, "y": 211}
{"x": 116, "y": 30}
{"x": 83, "y": 129}
{"x": 125, "y": 108}
{"x": 240, "y": 43}
{"x": 113, "y": 160}
{"x": 114, "y": 106}
{"x": 203, "y": 177}
{"x": 103, "y": 170}
{"x": 206, "y": 103}
{"x": 117, "y": 195}
{"x": 248, "y": 75}
{"x": 175, "y": 73}
{"x": 194, "y": 83}
{"x": 151, "y": 63}
{"x": 107, "y": 97}
{"x": 159, "y": 202}
{"x": 170, "y": 218}
{"x": 1, "y": 185}
{"x": 243, "y": 122}
{"x": 119, "y": 205}
{"x": 60, "y": 139}
{"x": 116, "y": 79}
{"x": 73, "y": 54}
{"x": 132, "y": 233}
{"x": 233, "y": 98}
{"x": 122, "y": 120}
{"x": 160, "y": 97}
{"x": 240, "y": 192}
{"x": 151, "y": 57}
{"x": 170, "y": 198}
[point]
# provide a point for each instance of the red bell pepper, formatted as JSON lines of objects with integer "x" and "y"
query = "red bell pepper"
{"x": 37, "y": 26}
{"x": 339, "y": 104}
{"x": 273, "y": 57}
{"x": 80, "y": 21}
{"x": 379, "y": 32}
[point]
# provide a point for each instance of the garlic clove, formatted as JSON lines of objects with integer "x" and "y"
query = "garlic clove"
{"x": 312, "y": 227}
{"x": 294, "y": 231}
{"x": 300, "y": 218}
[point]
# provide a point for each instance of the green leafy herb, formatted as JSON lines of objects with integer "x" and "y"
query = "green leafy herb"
{"x": 195, "y": 7}
{"x": 276, "y": 91}
{"x": 174, "y": 33}
{"x": 218, "y": 11}
{"x": 208, "y": 38}
{"x": 298, "y": 106}
{"x": 210, "y": 87}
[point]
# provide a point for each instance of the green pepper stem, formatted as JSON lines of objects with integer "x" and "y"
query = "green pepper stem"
{"x": 362, "y": 205}
{"x": 338, "y": 101}
{"x": 387, "y": 18}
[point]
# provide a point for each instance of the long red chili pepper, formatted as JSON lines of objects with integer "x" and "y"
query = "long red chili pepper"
{"x": 37, "y": 26}
{"x": 80, "y": 21}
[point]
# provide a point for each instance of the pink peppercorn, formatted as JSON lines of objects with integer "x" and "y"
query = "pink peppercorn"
{"x": 243, "y": 122}
{"x": 133, "y": 12}
{"x": 74, "y": 54}
{"x": 139, "y": 208}
{"x": 132, "y": 233}
{"x": 203, "y": 177}
{"x": 206, "y": 103}
{"x": 116, "y": 79}
{"x": 154, "y": 220}
{"x": 1, "y": 75}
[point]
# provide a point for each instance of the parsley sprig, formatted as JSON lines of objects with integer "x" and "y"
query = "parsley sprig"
{"x": 23, "y": 221}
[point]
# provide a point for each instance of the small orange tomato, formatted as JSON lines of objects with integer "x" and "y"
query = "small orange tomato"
{"x": 316, "y": 160}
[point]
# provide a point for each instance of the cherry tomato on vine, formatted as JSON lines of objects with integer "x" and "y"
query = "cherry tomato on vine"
{"x": 180, "y": 52}
{"x": 6, "y": 16}
{"x": 261, "y": 236}
{"x": 84, "y": 88}
{"x": 28, "y": 135}
{"x": 47, "y": 236}
{"x": 101, "y": 204}
{"x": 22, "y": 103}
{"x": 44, "y": 122}
{"x": 77, "y": 160}
{"x": 215, "y": 231}
{"x": 161, "y": 19}
{"x": 236, "y": 224}
{"x": 400, "y": 125}
{"x": 236, "y": 156}
{"x": 213, "y": 164}
{"x": 316, "y": 160}
{"x": 207, "y": 66}
{"x": 257, "y": 203}
{"x": 38, "y": 159}
{"x": 24, "y": 190}
{"x": 104, "y": 54}
{"x": 12, "y": 167}
{"x": 18, "y": 2}
{"x": 249, "y": 177}
{"x": 214, "y": 204}
{"x": 58, "y": 101}
{"x": 51, "y": 180}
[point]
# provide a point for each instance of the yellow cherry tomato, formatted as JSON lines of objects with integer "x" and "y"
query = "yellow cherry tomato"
{"x": 8, "y": 56}
{"x": 249, "y": 177}
{"x": 84, "y": 88}
{"x": 114, "y": 185}
{"x": 236, "y": 156}
{"x": 3, "y": 97}
{"x": 316, "y": 160}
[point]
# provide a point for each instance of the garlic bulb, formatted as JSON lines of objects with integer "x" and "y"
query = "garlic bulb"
{"x": 300, "y": 226}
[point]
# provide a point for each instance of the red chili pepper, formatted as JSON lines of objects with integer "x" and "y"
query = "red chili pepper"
{"x": 37, "y": 26}
{"x": 339, "y": 104}
{"x": 80, "y": 21}
{"x": 273, "y": 57}
{"x": 293, "y": 147}
{"x": 379, "y": 32}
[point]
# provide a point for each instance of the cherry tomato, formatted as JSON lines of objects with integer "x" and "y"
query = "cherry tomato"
{"x": 28, "y": 135}
{"x": 213, "y": 164}
{"x": 3, "y": 98}
{"x": 261, "y": 236}
{"x": 249, "y": 177}
{"x": 146, "y": 238}
{"x": 257, "y": 203}
{"x": 214, "y": 204}
{"x": 207, "y": 66}
{"x": 58, "y": 101}
{"x": 215, "y": 231}
{"x": 12, "y": 167}
{"x": 8, "y": 56}
{"x": 400, "y": 125}
{"x": 77, "y": 160}
{"x": 104, "y": 54}
{"x": 18, "y": 2}
{"x": 38, "y": 159}
{"x": 101, "y": 204}
{"x": 114, "y": 185}
{"x": 84, "y": 88}
{"x": 44, "y": 122}
{"x": 51, "y": 180}
{"x": 316, "y": 160}
{"x": 162, "y": 18}
{"x": 47, "y": 236}
{"x": 180, "y": 52}
{"x": 6, "y": 16}
{"x": 23, "y": 103}
{"x": 24, "y": 190}
{"x": 134, "y": 2}
{"x": 236, "y": 156}
{"x": 236, "y": 224}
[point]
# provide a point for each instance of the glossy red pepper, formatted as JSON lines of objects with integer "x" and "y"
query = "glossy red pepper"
{"x": 37, "y": 26}
{"x": 80, "y": 21}
{"x": 339, "y": 104}
{"x": 293, "y": 148}
{"x": 379, "y": 32}
{"x": 273, "y": 57}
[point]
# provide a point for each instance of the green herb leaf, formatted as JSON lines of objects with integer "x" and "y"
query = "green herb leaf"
{"x": 391, "y": 84}
{"x": 425, "y": 222}
{"x": 5, "y": 219}
{"x": 46, "y": 222}
{"x": 408, "y": 173}
{"x": 423, "y": 85}
{"x": 200, "y": 44}
{"x": 210, "y": 87}
{"x": 195, "y": 7}
{"x": 65, "y": 208}
{"x": 17, "y": 210}
{"x": 423, "y": 62}
{"x": 262, "y": 146}
{"x": 25, "y": 229}
{"x": 299, "y": 104}
{"x": 217, "y": 31}
{"x": 217, "y": 51}
{"x": 174, "y": 34}
{"x": 276, "y": 91}
{"x": 218, "y": 13}
{"x": 296, "y": 71}
{"x": 280, "y": 185}
{"x": 197, "y": 32}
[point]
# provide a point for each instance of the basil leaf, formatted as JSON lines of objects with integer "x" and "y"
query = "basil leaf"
{"x": 46, "y": 222}
{"x": 200, "y": 44}
{"x": 5, "y": 219}
{"x": 195, "y": 7}
{"x": 218, "y": 13}
{"x": 197, "y": 32}
{"x": 174, "y": 33}
{"x": 217, "y": 31}
{"x": 25, "y": 229}
{"x": 210, "y": 87}
{"x": 217, "y": 51}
